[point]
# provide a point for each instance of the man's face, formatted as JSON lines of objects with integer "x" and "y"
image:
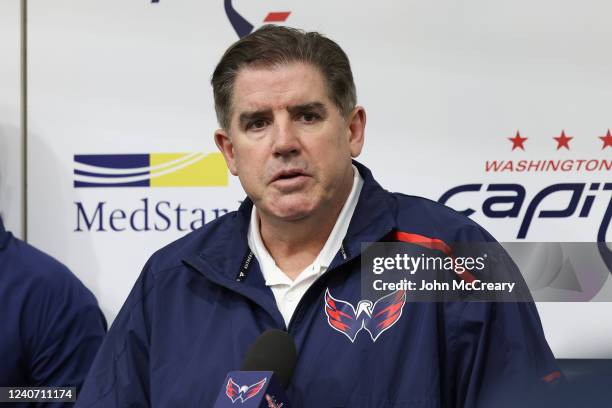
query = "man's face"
{"x": 288, "y": 142}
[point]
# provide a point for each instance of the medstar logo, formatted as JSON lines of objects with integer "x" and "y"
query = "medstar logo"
{"x": 195, "y": 169}
{"x": 142, "y": 172}
{"x": 375, "y": 318}
{"x": 244, "y": 27}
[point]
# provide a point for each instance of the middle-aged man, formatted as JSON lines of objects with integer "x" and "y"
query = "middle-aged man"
{"x": 290, "y": 127}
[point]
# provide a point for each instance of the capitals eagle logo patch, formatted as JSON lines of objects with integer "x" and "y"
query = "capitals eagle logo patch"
{"x": 236, "y": 392}
{"x": 375, "y": 318}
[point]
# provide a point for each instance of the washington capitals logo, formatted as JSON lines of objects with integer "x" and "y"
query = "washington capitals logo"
{"x": 375, "y": 318}
{"x": 242, "y": 393}
{"x": 242, "y": 26}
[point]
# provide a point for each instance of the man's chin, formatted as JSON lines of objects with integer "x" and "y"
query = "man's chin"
{"x": 291, "y": 212}
{"x": 292, "y": 216}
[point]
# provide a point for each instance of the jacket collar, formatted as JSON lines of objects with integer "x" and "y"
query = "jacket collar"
{"x": 374, "y": 216}
{"x": 228, "y": 254}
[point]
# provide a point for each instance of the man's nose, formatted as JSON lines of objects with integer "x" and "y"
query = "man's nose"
{"x": 286, "y": 141}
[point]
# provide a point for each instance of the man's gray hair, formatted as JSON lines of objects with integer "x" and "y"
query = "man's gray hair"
{"x": 272, "y": 46}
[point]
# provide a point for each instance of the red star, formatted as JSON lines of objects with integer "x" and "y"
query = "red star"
{"x": 517, "y": 141}
{"x": 607, "y": 140}
{"x": 563, "y": 141}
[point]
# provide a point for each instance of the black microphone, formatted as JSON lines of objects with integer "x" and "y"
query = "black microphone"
{"x": 266, "y": 372}
{"x": 274, "y": 350}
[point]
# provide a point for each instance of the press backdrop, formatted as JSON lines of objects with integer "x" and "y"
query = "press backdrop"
{"x": 467, "y": 102}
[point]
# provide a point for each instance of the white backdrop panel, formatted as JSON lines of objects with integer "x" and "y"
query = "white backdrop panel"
{"x": 11, "y": 181}
{"x": 445, "y": 85}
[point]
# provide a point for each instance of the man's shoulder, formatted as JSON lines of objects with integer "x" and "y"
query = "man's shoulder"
{"x": 27, "y": 263}
{"x": 432, "y": 219}
{"x": 212, "y": 234}
{"x": 39, "y": 281}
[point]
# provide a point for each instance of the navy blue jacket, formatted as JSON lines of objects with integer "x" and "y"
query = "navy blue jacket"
{"x": 50, "y": 325}
{"x": 189, "y": 320}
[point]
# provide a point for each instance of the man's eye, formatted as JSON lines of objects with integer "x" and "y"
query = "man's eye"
{"x": 310, "y": 117}
{"x": 257, "y": 124}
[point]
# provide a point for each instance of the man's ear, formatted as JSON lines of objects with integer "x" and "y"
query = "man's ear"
{"x": 225, "y": 145}
{"x": 356, "y": 130}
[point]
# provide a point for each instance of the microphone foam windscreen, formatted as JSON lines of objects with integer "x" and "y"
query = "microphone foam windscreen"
{"x": 274, "y": 350}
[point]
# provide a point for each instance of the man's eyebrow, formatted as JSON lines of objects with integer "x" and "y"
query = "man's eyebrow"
{"x": 311, "y": 106}
{"x": 247, "y": 116}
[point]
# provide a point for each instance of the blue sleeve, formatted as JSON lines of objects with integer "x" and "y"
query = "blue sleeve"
{"x": 53, "y": 323}
{"x": 119, "y": 376}
{"x": 500, "y": 354}
{"x": 70, "y": 331}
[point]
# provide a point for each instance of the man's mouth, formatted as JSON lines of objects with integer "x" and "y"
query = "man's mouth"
{"x": 287, "y": 175}
{"x": 289, "y": 180}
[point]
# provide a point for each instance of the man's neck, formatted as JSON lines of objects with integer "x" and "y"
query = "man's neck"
{"x": 296, "y": 244}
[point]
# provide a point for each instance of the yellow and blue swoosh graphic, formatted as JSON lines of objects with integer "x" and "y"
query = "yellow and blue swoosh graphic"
{"x": 150, "y": 170}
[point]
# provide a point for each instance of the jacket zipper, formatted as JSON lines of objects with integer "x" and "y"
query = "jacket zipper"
{"x": 343, "y": 251}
